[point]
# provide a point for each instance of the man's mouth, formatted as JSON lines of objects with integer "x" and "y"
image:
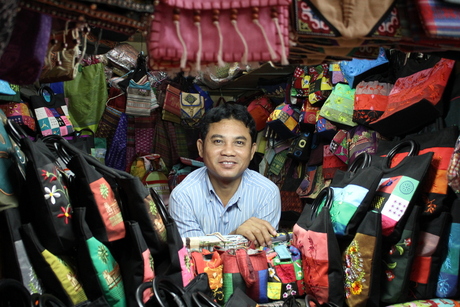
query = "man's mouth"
{"x": 228, "y": 163}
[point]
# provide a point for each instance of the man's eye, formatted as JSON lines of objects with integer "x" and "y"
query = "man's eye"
{"x": 241, "y": 143}
{"x": 217, "y": 141}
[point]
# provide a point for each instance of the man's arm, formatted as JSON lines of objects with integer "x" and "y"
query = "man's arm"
{"x": 261, "y": 227}
{"x": 180, "y": 208}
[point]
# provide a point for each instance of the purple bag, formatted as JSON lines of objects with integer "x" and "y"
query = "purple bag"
{"x": 24, "y": 56}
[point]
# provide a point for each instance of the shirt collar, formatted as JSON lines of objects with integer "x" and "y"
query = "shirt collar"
{"x": 236, "y": 197}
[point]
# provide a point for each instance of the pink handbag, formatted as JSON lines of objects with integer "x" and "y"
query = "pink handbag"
{"x": 203, "y": 31}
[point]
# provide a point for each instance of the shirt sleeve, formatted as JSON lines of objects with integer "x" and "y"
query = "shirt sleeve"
{"x": 180, "y": 208}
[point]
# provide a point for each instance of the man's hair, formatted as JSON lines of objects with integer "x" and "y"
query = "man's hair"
{"x": 228, "y": 110}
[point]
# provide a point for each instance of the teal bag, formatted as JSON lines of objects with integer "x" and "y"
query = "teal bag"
{"x": 102, "y": 275}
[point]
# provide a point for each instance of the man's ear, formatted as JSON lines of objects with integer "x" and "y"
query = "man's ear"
{"x": 253, "y": 149}
{"x": 199, "y": 146}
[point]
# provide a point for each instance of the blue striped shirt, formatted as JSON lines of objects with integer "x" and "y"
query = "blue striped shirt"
{"x": 198, "y": 211}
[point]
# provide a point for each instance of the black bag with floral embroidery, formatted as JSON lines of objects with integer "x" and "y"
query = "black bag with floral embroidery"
{"x": 45, "y": 203}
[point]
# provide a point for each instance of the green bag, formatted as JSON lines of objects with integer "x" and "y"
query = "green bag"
{"x": 338, "y": 107}
{"x": 87, "y": 96}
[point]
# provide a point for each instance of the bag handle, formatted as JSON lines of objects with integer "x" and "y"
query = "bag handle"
{"x": 46, "y": 88}
{"x": 245, "y": 267}
{"x": 140, "y": 292}
{"x": 326, "y": 193}
{"x": 414, "y": 150}
{"x": 203, "y": 300}
{"x": 165, "y": 285}
{"x": 362, "y": 161}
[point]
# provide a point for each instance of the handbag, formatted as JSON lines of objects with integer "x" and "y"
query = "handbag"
{"x": 371, "y": 100}
{"x": 284, "y": 121}
{"x": 398, "y": 260}
{"x": 211, "y": 264}
{"x": 362, "y": 263}
{"x": 260, "y": 108}
{"x": 413, "y": 100}
{"x": 399, "y": 187}
{"x": 139, "y": 97}
{"x": 102, "y": 273}
{"x": 354, "y": 191}
{"x": 21, "y": 113}
{"x": 357, "y": 70}
{"x": 197, "y": 32}
{"x": 246, "y": 269}
{"x": 23, "y": 58}
{"x": 338, "y": 107}
{"x": 312, "y": 82}
{"x": 285, "y": 275}
{"x": 191, "y": 108}
{"x": 435, "y": 189}
{"x": 51, "y": 112}
{"x": 57, "y": 274}
{"x": 313, "y": 236}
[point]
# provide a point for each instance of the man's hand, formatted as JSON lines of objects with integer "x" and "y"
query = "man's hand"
{"x": 256, "y": 230}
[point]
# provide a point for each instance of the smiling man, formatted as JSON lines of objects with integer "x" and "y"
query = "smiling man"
{"x": 225, "y": 196}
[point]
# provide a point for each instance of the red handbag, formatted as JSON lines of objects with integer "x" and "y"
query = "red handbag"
{"x": 260, "y": 108}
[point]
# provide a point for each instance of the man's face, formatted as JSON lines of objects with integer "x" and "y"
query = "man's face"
{"x": 227, "y": 150}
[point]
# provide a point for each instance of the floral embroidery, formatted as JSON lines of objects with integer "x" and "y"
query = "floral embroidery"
{"x": 48, "y": 175}
{"x": 65, "y": 214}
{"x": 400, "y": 248}
{"x": 52, "y": 194}
{"x": 104, "y": 189}
{"x": 353, "y": 268}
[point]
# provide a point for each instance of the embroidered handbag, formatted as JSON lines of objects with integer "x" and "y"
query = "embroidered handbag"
{"x": 57, "y": 274}
{"x": 102, "y": 273}
{"x": 246, "y": 269}
{"x": 20, "y": 113}
{"x": 362, "y": 263}
{"x": 191, "y": 108}
{"x": 447, "y": 286}
{"x": 51, "y": 112}
{"x": 413, "y": 100}
{"x": 314, "y": 237}
{"x": 210, "y": 263}
{"x": 371, "y": 99}
{"x": 399, "y": 187}
{"x": 354, "y": 190}
{"x": 398, "y": 259}
{"x": 260, "y": 108}
{"x": 435, "y": 188}
{"x": 285, "y": 275}
{"x": 172, "y": 100}
{"x": 357, "y": 70}
{"x": 312, "y": 83}
{"x": 201, "y": 32}
{"x": 428, "y": 257}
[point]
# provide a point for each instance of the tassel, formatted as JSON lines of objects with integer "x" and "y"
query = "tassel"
{"x": 234, "y": 16}
{"x": 197, "y": 21}
{"x": 215, "y": 18}
{"x": 176, "y": 18}
{"x": 255, "y": 19}
{"x": 284, "y": 60}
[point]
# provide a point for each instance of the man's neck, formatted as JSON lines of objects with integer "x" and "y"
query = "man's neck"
{"x": 225, "y": 190}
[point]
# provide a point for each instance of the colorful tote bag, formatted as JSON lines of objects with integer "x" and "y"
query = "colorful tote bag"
{"x": 399, "y": 186}
{"x": 312, "y": 83}
{"x": 362, "y": 262}
{"x": 284, "y": 121}
{"x": 354, "y": 191}
{"x": 92, "y": 191}
{"x": 102, "y": 275}
{"x": 428, "y": 258}
{"x": 246, "y": 269}
{"x": 285, "y": 274}
{"x": 398, "y": 259}
{"x": 51, "y": 112}
{"x": 447, "y": 286}
{"x": 313, "y": 235}
{"x": 441, "y": 143}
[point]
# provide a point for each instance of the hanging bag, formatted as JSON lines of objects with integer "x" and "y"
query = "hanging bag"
{"x": 354, "y": 190}
{"x": 51, "y": 112}
{"x": 313, "y": 235}
{"x": 201, "y": 32}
